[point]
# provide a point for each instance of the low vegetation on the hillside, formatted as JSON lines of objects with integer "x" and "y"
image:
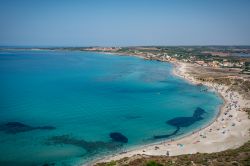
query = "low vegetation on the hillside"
{"x": 232, "y": 157}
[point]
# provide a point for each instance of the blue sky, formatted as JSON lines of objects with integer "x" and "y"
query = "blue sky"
{"x": 124, "y": 22}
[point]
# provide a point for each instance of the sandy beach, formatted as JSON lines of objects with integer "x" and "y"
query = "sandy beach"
{"x": 229, "y": 130}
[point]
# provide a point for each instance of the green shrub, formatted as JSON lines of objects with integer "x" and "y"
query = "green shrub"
{"x": 153, "y": 163}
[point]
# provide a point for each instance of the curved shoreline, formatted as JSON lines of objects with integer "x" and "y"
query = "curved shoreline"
{"x": 208, "y": 146}
{"x": 141, "y": 147}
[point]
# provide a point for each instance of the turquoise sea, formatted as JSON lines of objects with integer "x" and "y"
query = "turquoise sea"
{"x": 242, "y": 55}
{"x": 60, "y": 107}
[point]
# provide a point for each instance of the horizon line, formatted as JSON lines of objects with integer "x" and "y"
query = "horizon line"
{"x": 43, "y": 46}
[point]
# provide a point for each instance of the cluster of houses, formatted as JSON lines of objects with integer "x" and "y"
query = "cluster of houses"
{"x": 192, "y": 59}
{"x": 102, "y": 49}
{"x": 223, "y": 63}
{"x": 161, "y": 57}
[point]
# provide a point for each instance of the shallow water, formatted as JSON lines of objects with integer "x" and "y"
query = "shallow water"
{"x": 86, "y": 96}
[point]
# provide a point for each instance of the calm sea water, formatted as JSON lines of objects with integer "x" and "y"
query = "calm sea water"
{"x": 242, "y": 55}
{"x": 86, "y": 96}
